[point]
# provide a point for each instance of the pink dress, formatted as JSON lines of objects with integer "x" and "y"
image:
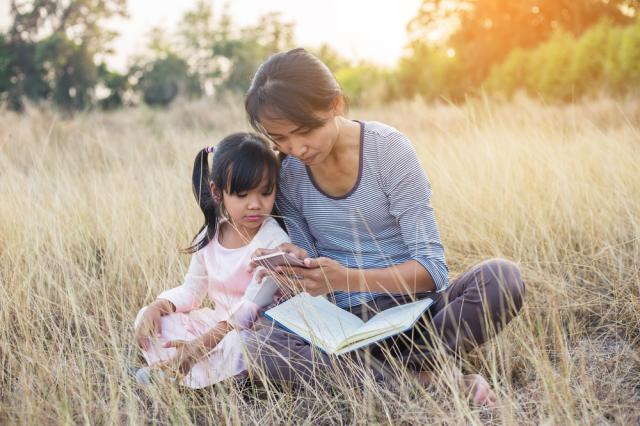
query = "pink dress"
{"x": 221, "y": 274}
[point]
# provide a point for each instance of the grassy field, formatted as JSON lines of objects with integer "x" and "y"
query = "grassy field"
{"x": 94, "y": 209}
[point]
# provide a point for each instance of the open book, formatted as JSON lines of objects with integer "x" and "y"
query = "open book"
{"x": 337, "y": 331}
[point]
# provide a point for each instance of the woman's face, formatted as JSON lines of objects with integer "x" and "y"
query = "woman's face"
{"x": 311, "y": 146}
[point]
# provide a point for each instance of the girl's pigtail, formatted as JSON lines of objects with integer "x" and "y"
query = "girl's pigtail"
{"x": 202, "y": 191}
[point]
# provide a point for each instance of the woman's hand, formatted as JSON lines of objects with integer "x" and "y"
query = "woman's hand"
{"x": 188, "y": 353}
{"x": 150, "y": 324}
{"x": 293, "y": 249}
{"x": 321, "y": 276}
{"x": 284, "y": 247}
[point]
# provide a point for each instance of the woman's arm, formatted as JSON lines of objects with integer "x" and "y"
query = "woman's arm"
{"x": 325, "y": 275}
{"x": 407, "y": 278}
{"x": 409, "y": 193}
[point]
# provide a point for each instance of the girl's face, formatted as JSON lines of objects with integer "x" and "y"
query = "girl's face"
{"x": 247, "y": 210}
{"x": 311, "y": 146}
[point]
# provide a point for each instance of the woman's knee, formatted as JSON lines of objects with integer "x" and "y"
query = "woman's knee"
{"x": 507, "y": 276}
{"x": 255, "y": 342}
{"x": 276, "y": 355}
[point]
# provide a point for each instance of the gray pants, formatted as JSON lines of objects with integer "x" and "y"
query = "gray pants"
{"x": 477, "y": 304}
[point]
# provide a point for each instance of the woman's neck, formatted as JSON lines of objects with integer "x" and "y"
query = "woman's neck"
{"x": 338, "y": 174}
{"x": 348, "y": 139}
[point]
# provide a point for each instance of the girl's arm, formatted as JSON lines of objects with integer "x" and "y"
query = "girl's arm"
{"x": 183, "y": 298}
{"x": 193, "y": 290}
{"x": 210, "y": 339}
{"x": 164, "y": 306}
{"x": 188, "y": 353}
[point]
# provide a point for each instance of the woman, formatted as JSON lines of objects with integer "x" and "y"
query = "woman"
{"x": 356, "y": 204}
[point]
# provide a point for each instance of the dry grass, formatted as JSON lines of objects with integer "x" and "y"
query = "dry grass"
{"x": 93, "y": 210}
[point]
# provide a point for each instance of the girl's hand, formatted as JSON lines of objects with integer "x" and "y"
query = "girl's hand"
{"x": 188, "y": 353}
{"x": 321, "y": 276}
{"x": 149, "y": 326}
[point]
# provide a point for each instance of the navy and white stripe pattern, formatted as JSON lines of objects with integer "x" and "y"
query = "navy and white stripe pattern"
{"x": 385, "y": 220}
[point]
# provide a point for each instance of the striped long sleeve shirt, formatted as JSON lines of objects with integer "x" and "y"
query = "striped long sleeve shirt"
{"x": 384, "y": 220}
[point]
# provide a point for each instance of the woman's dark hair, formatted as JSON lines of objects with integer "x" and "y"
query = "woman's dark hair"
{"x": 240, "y": 162}
{"x": 294, "y": 86}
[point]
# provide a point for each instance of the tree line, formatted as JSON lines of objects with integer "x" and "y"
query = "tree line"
{"x": 54, "y": 52}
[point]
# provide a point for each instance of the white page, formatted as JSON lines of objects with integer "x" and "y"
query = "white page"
{"x": 316, "y": 318}
{"x": 367, "y": 341}
{"x": 399, "y": 317}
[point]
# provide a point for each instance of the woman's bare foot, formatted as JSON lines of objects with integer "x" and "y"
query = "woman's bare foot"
{"x": 476, "y": 386}
{"x": 425, "y": 378}
{"x": 473, "y": 385}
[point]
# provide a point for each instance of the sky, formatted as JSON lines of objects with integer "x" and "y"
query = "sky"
{"x": 374, "y": 30}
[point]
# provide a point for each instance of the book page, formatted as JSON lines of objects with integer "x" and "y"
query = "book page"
{"x": 397, "y": 318}
{"x": 352, "y": 346}
{"x": 316, "y": 319}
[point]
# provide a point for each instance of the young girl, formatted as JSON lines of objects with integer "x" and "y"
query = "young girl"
{"x": 237, "y": 200}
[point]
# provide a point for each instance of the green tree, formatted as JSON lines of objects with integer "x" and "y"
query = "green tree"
{"x": 221, "y": 57}
{"x": 428, "y": 71}
{"x": 115, "y": 84}
{"x": 6, "y": 63}
{"x": 330, "y": 57}
{"x": 197, "y": 36}
{"x": 70, "y": 71}
{"x": 239, "y": 56}
{"x": 367, "y": 84}
{"x": 164, "y": 74}
{"x": 567, "y": 67}
{"x": 586, "y": 73}
{"x": 550, "y": 65}
{"x": 630, "y": 55}
{"x": 484, "y": 32}
{"x": 507, "y": 77}
{"x": 164, "y": 78}
{"x": 614, "y": 75}
{"x": 53, "y": 45}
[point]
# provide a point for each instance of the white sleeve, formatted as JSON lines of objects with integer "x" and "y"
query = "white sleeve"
{"x": 193, "y": 290}
{"x": 258, "y": 295}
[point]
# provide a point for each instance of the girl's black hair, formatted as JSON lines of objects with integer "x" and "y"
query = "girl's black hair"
{"x": 240, "y": 163}
{"x": 292, "y": 85}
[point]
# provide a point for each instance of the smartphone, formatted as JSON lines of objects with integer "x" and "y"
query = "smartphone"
{"x": 280, "y": 258}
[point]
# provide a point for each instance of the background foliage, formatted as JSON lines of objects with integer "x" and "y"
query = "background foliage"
{"x": 559, "y": 50}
